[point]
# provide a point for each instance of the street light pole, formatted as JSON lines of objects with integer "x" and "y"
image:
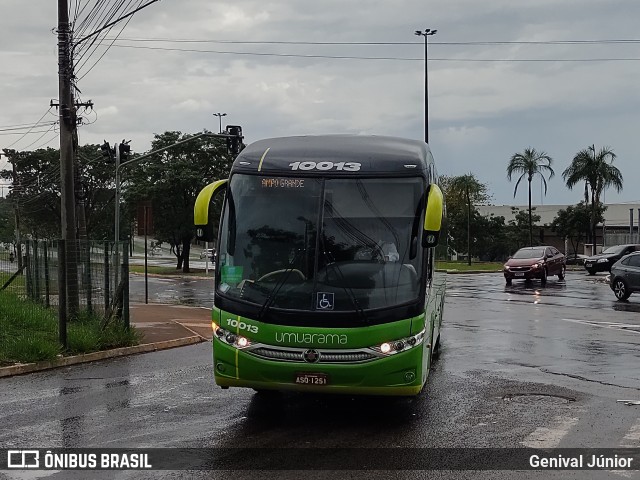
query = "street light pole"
{"x": 427, "y": 32}
{"x": 220, "y": 115}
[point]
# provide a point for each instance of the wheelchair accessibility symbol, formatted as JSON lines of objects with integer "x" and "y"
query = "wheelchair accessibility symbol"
{"x": 325, "y": 301}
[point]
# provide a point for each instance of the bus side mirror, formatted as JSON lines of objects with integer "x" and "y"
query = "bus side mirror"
{"x": 433, "y": 216}
{"x": 203, "y": 224}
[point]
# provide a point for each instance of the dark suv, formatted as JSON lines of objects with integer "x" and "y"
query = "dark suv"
{"x": 610, "y": 255}
{"x": 625, "y": 276}
{"x": 535, "y": 262}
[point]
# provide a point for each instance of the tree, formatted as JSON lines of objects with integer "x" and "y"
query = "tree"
{"x": 7, "y": 224}
{"x": 171, "y": 181}
{"x": 464, "y": 190}
{"x": 528, "y": 164}
{"x": 573, "y": 223}
{"x": 37, "y": 190}
{"x": 596, "y": 170}
{"x": 490, "y": 234}
{"x": 517, "y": 228}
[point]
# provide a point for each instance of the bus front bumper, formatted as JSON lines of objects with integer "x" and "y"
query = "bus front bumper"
{"x": 400, "y": 374}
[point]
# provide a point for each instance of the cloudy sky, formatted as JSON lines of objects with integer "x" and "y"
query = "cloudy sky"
{"x": 504, "y": 75}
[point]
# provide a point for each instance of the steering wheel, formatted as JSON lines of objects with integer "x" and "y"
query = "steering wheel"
{"x": 369, "y": 254}
{"x": 284, "y": 271}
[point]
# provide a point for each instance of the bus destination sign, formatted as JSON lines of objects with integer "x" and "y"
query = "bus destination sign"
{"x": 282, "y": 182}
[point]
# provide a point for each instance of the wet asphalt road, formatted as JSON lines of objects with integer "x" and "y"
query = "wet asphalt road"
{"x": 519, "y": 366}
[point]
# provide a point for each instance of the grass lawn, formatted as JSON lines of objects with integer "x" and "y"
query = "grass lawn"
{"x": 29, "y": 332}
{"x": 16, "y": 286}
{"x": 475, "y": 266}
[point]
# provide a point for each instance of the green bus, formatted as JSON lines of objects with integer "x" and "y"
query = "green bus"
{"x": 324, "y": 277}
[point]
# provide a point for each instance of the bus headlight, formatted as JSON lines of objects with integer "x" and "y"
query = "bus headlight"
{"x": 230, "y": 338}
{"x": 400, "y": 345}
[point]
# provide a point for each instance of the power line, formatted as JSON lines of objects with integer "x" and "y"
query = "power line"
{"x": 29, "y": 131}
{"x": 480, "y": 43}
{"x": 38, "y": 139}
{"x": 350, "y": 57}
{"x": 22, "y": 126}
{"x": 18, "y": 133}
{"x": 107, "y": 49}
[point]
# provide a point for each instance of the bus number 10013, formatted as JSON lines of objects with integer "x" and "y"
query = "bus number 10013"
{"x": 344, "y": 166}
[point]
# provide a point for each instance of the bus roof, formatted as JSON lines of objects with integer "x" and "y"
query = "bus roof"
{"x": 375, "y": 154}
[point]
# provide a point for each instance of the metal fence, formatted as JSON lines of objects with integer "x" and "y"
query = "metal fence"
{"x": 615, "y": 238}
{"x": 45, "y": 282}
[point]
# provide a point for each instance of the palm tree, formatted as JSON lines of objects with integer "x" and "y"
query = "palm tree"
{"x": 468, "y": 188}
{"x": 598, "y": 173}
{"x": 528, "y": 164}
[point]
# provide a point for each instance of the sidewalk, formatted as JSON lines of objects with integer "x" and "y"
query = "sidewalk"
{"x": 162, "y": 323}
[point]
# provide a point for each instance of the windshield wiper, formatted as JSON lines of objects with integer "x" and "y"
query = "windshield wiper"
{"x": 272, "y": 296}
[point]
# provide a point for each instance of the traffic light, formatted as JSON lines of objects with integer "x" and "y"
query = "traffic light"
{"x": 107, "y": 151}
{"x": 125, "y": 151}
{"x": 234, "y": 141}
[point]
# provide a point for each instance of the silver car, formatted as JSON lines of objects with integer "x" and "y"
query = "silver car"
{"x": 625, "y": 276}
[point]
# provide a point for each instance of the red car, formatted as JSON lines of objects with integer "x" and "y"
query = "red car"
{"x": 535, "y": 262}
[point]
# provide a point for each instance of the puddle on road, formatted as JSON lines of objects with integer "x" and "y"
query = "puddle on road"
{"x": 530, "y": 398}
{"x": 625, "y": 306}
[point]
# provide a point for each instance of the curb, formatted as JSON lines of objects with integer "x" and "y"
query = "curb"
{"x": 21, "y": 369}
{"x": 167, "y": 275}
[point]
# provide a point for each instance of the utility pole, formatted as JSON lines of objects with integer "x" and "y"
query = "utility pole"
{"x": 67, "y": 129}
{"x": 79, "y": 192}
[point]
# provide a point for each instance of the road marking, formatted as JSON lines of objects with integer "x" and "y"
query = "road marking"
{"x": 545, "y": 437}
{"x": 623, "y": 327}
{"x": 632, "y": 438}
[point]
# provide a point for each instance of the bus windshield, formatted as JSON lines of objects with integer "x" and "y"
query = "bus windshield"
{"x": 321, "y": 244}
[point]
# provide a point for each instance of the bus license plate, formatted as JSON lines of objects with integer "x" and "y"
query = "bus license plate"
{"x": 519, "y": 274}
{"x": 311, "y": 379}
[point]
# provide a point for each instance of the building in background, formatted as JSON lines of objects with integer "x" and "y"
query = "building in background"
{"x": 620, "y": 224}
